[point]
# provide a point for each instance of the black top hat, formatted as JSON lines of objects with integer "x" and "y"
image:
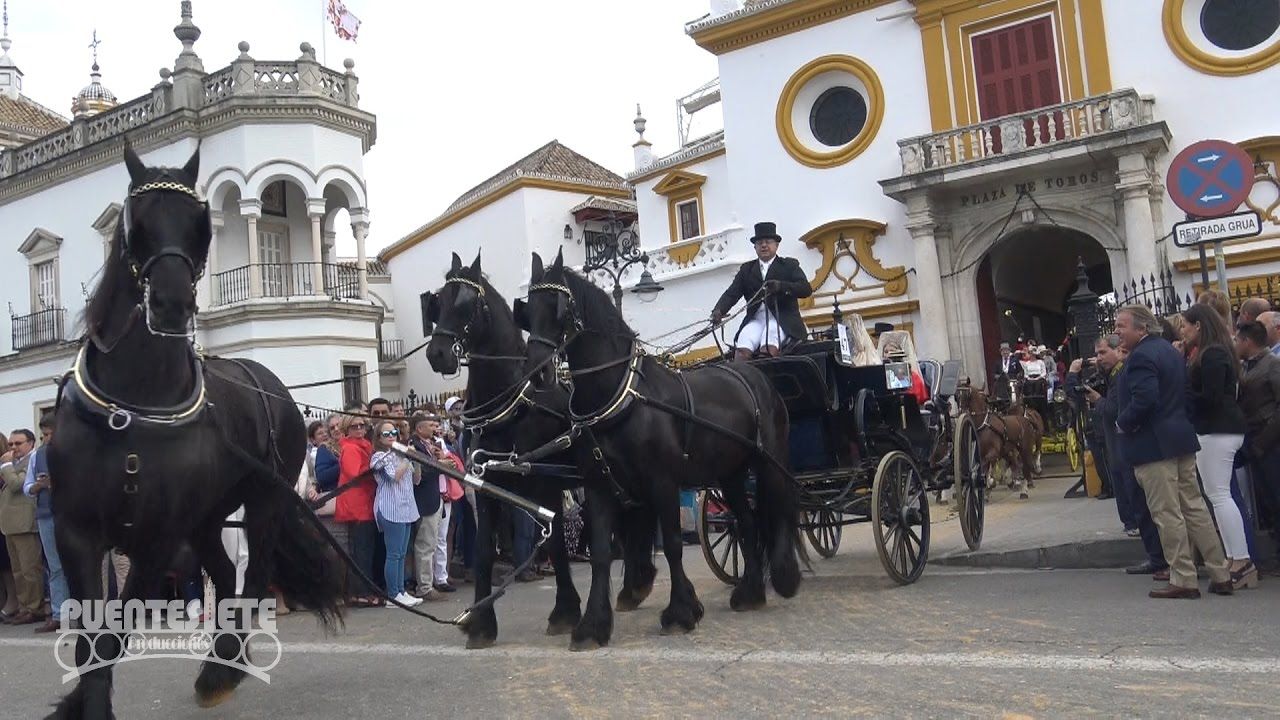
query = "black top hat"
{"x": 766, "y": 231}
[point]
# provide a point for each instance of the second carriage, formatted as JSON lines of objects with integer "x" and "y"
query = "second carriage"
{"x": 864, "y": 449}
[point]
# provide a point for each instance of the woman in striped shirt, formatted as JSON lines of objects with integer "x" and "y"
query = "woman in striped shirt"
{"x": 394, "y": 507}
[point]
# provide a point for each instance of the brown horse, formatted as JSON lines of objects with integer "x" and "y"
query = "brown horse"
{"x": 1015, "y": 438}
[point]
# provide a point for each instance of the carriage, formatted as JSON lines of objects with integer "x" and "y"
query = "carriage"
{"x": 863, "y": 450}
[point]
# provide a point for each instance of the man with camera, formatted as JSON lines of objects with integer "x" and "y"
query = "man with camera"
{"x": 1096, "y": 386}
{"x": 1260, "y": 401}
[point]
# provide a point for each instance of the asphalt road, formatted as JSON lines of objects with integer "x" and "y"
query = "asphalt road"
{"x": 959, "y": 643}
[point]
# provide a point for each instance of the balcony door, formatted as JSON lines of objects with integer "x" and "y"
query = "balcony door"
{"x": 273, "y": 259}
{"x": 1016, "y": 71}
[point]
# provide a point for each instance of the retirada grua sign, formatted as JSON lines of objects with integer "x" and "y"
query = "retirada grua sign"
{"x": 1229, "y": 227}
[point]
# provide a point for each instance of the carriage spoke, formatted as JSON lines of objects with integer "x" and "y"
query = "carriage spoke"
{"x": 716, "y": 543}
{"x": 729, "y": 548}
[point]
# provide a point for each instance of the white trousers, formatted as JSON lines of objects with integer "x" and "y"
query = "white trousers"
{"x": 442, "y": 545}
{"x": 1215, "y": 463}
{"x": 763, "y": 329}
{"x": 237, "y": 547}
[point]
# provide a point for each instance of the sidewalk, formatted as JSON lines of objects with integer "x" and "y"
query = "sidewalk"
{"x": 1046, "y": 531}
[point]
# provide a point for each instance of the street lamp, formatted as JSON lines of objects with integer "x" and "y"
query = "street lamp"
{"x": 615, "y": 249}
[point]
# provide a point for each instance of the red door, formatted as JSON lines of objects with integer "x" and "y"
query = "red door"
{"x": 1016, "y": 70}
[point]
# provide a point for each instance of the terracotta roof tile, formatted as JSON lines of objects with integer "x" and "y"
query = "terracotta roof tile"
{"x": 27, "y": 115}
{"x": 551, "y": 161}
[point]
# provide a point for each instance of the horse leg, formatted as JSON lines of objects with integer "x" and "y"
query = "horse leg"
{"x": 638, "y": 570}
{"x": 685, "y": 610}
{"x": 748, "y": 594}
{"x": 596, "y": 626}
{"x": 568, "y": 608}
{"x": 482, "y": 627}
{"x": 82, "y": 563}
{"x": 778, "y": 501}
{"x": 218, "y": 680}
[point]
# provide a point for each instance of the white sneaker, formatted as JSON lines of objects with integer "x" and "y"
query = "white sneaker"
{"x": 405, "y": 598}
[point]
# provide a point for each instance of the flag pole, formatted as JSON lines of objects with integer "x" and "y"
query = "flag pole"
{"x": 324, "y": 35}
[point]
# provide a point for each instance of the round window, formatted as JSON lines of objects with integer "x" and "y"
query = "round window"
{"x": 1239, "y": 24}
{"x": 838, "y": 115}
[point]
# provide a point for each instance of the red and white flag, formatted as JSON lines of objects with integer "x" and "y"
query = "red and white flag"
{"x": 345, "y": 24}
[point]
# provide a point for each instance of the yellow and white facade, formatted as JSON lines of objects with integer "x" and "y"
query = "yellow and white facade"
{"x": 945, "y": 164}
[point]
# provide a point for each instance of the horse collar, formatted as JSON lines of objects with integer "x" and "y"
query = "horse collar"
{"x": 621, "y": 400}
{"x": 119, "y": 415}
{"x": 506, "y": 412}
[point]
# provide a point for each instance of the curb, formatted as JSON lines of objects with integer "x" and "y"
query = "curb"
{"x": 1087, "y": 555}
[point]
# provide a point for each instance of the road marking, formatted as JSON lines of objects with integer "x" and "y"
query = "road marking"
{"x": 957, "y": 660}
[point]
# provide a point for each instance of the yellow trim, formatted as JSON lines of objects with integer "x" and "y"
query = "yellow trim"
{"x": 778, "y": 21}
{"x": 1245, "y": 285}
{"x": 678, "y": 166}
{"x": 680, "y": 187}
{"x": 1266, "y": 149}
{"x": 1239, "y": 259}
{"x": 497, "y": 194}
{"x": 1190, "y": 54}
{"x": 946, "y": 31}
{"x": 862, "y": 235}
{"x": 787, "y": 101}
{"x": 903, "y": 307}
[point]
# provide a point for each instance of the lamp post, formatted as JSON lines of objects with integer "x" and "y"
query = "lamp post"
{"x": 613, "y": 250}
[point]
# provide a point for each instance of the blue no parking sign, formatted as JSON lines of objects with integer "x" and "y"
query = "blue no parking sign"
{"x": 1210, "y": 178}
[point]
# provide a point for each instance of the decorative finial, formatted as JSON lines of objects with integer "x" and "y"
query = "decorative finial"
{"x": 4, "y": 36}
{"x": 94, "y": 46}
{"x": 187, "y": 33}
{"x": 639, "y": 122}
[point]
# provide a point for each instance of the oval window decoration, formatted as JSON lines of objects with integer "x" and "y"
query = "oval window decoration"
{"x": 1224, "y": 37}
{"x": 830, "y": 111}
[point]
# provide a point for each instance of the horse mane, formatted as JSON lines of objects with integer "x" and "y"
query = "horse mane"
{"x": 114, "y": 271}
{"x": 596, "y": 308}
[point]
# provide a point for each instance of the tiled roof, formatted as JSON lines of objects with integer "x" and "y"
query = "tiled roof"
{"x": 29, "y": 116}
{"x": 552, "y": 161}
{"x": 750, "y": 7}
{"x": 608, "y": 204}
{"x": 694, "y": 150}
{"x": 375, "y": 267}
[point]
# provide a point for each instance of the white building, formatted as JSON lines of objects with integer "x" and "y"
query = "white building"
{"x": 549, "y": 199}
{"x": 968, "y": 151}
{"x": 282, "y": 147}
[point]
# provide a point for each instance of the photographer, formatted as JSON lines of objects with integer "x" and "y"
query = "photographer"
{"x": 1081, "y": 387}
{"x": 1097, "y": 388}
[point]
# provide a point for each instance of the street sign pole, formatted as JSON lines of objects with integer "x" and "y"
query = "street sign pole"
{"x": 1220, "y": 262}
{"x": 1204, "y": 267}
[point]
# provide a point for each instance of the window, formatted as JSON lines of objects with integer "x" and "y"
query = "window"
{"x": 1239, "y": 24}
{"x": 273, "y": 258}
{"x": 838, "y": 115}
{"x": 689, "y": 219}
{"x": 352, "y": 383}
{"x": 44, "y": 286}
{"x": 1016, "y": 68}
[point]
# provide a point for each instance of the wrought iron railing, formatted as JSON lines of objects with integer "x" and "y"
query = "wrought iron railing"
{"x": 1156, "y": 291}
{"x": 285, "y": 280}
{"x": 39, "y": 328}
{"x": 389, "y": 350}
{"x": 1024, "y": 132}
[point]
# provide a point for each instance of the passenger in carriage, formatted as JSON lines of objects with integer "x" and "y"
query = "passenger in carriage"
{"x": 861, "y": 345}
{"x": 896, "y": 346}
{"x": 774, "y": 318}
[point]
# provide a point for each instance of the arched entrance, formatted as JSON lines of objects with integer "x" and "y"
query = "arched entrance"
{"x": 1024, "y": 280}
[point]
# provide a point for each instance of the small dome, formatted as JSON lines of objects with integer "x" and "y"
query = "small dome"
{"x": 94, "y": 97}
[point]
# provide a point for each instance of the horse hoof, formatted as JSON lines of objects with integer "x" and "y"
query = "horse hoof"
{"x": 675, "y": 629}
{"x": 480, "y": 643}
{"x": 584, "y": 645}
{"x": 214, "y": 698}
{"x": 560, "y": 627}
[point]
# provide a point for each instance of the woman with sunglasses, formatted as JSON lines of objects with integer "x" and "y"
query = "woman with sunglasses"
{"x": 355, "y": 506}
{"x": 395, "y": 509}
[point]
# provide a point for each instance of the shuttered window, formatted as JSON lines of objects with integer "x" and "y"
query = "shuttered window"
{"x": 1016, "y": 68}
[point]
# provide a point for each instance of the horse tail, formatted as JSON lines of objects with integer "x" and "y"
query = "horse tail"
{"x": 778, "y": 513}
{"x": 305, "y": 568}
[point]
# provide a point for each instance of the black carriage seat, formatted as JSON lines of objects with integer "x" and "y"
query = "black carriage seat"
{"x": 804, "y": 382}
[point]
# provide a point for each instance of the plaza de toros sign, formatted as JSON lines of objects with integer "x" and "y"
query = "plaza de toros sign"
{"x": 1083, "y": 178}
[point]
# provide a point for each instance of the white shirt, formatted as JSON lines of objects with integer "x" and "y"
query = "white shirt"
{"x": 764, "y": 266}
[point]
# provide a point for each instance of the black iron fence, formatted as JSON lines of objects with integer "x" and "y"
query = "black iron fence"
{"x": 389, "y": 350}
{"x": 1156, "y": 291}
{"x": 39, "y": 328}
{"x": 283, "y": 280}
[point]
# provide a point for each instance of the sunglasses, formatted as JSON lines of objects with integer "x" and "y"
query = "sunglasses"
{"x": 390, "y": 433}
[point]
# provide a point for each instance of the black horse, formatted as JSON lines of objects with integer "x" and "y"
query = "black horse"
{"x": 652, "y": 453}
{"x": 156, "y": 446}
{"x": 507, "y": 414}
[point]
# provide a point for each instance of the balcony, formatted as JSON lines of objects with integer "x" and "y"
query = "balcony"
{"x": 39, "y": 328}
{"x": 285, "y": 280}
{"x": 1104, "y": 119}
{"x": 389, "y": 350}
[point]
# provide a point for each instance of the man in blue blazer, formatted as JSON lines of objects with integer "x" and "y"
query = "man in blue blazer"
{"x": 1157, "y": 438}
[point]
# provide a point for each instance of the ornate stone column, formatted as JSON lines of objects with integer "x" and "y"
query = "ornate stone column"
{"x": 360, "y": 227}
{"x": 931, "y": 337}
{"x": 315, "y": 211}
{"x": 216, "y": 220}
{"x": 252, "y": 210}
{"x": 1134, "y": 184}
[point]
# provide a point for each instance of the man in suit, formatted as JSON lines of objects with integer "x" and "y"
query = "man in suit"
{"x": 1260, "y": 402}
{"x": 774, "y": 316}
{"x": 18, "y": 525}
{"x": 1271, "y": 323}
{"x": 1158, "y": 440}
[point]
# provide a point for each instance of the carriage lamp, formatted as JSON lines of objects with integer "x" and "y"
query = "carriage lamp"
{"x": 647, "y": 288}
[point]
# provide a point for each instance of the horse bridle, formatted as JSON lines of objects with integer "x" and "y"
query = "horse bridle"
{"x": 142, "y": 273}
{"x": 459, "y": 339}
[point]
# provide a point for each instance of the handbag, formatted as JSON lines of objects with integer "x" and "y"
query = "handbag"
{"x": 453, "y": 489}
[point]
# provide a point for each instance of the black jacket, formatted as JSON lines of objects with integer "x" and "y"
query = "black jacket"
{"x": 1150, "y": 405}
{"x": 1211, "y": 394}
{"x": 1260, "y": 403}
{"x": 427, "y": 492}
{"x": 784, "y": 303}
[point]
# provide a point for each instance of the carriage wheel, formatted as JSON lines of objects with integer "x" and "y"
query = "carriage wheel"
{"x": 900, "y": 517}
{"x": 824, "y": 531}
{"x": 1073, "y": 448}
{"x": 971, "y": 496}
{"x": 718, "y": 536}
